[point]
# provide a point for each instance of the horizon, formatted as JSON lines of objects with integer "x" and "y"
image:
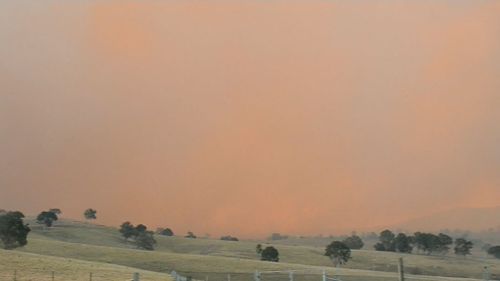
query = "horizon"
{"x": 250, "y": 118}
{"x": 402, "y": 226}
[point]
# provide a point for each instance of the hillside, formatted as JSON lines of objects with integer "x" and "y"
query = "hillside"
{"x": 40, "y": 267}
{"x": 203, "y": 258}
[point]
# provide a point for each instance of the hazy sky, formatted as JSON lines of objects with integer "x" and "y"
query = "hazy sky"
{"x": 248, "y": 117}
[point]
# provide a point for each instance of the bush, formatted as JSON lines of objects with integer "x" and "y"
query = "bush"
{"x": 13, "y": 231}
{"x": 229, "y": 238}
{"x": 270, "y": 254}
{"x": 90, "y": 214}
{"x": 494, "y": 251}
{"x": 166, "y": 232}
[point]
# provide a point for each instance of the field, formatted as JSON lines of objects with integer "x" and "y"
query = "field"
{"x": 41, "y": 267}
{"x": 74, "y": 249}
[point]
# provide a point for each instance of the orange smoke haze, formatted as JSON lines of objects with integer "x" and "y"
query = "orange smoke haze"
{"x": 250, "y": 117}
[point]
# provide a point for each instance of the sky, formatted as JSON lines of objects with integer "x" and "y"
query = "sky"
{"x": 250, "y": 117}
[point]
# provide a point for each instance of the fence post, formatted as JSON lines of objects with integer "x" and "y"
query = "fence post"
{"x": 229, "y": 277}
{"x": 136, "y": 276}
{"x": 256, "y": 276}
{"x": 401, "y": 270}
{"x": 90, "y": 276}
{"x": 486, "y": 273}
{"x": 15, "y": 275}
{"x": 324, "y": 275}
{"x": 53, "y": 275}
{"x": 290, "y": 275}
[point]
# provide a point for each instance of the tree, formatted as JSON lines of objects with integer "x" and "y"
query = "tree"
{"x": 229, "y": 238}
{"x": 145, "y": 240}
{"x": 13, "y": 231}
{"x": 379, "y": 246}
{"x": 56, "y": 211}
{"x": 140, "y": 228}
{"x": 430, "y": 243}
{"x": 90, "y": 214}
{"x": 463, "y": 247}
{"x": 127, "y": 230}
{"x": 270, "y": 254}
{"x": 338, "y": 252}
{"x": 386, "y": 241}
{"x": 444, "y": 243}
{"x": 354, "y": 242}
{"x": 190, "y": 235}
{"x": 494, "y": 251}
{"x": 258, "y": 249}
{"x": 166, "y": 232}
{"x": 47, "y": 218}
{"x": 402, "y": 243}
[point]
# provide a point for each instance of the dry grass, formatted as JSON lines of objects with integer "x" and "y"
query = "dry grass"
{"x": 197, "y": 256}
{"x": 39, "y": 267}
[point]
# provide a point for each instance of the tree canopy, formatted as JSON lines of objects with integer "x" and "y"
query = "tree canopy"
{"x": 47, "y": 218}
{"x": 270, "y": 254}
{"x": 165, "y": 232}
{"x": 142, "y": 237}
{"x": 338, "y": 252}
{"x": 494, "y": 251}
{"x": 90, "y": 214}
{"x": 354, "y": 242}
{"x": 13, "y": 231}
{"x": 463, "y": 247}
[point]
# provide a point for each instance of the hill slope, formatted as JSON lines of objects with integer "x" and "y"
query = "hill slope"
{"x": 40, "y": 267}
{"x": 198, "y": 256}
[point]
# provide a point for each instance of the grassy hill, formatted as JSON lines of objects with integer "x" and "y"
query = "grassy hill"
{"x": 204, "y": 258}
{"x": 40, "y": 267}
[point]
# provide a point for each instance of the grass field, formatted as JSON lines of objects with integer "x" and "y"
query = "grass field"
{"x": 215, "y": 259}
{"x": 41, "y": 267}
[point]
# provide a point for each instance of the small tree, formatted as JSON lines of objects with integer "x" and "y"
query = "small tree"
{"x": 229, "y": 238}
{"x": 338, "y": 252}
{"x": 270, "y": 254}
{"x": 166, "y": 232}
{"x": 354, "y": 242}
{"x": 190, "y": 235}
{"x": 13, "y": 231}
{"x": 90, "y": 214}
{"x": 47, "y": 218}
{"x": 127, "y": 230}
{"x": 463, "y": 247}
{"x": 144, "y": 238}
{"x": 258, "y": 249}
{"x": 494, "y": 251}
